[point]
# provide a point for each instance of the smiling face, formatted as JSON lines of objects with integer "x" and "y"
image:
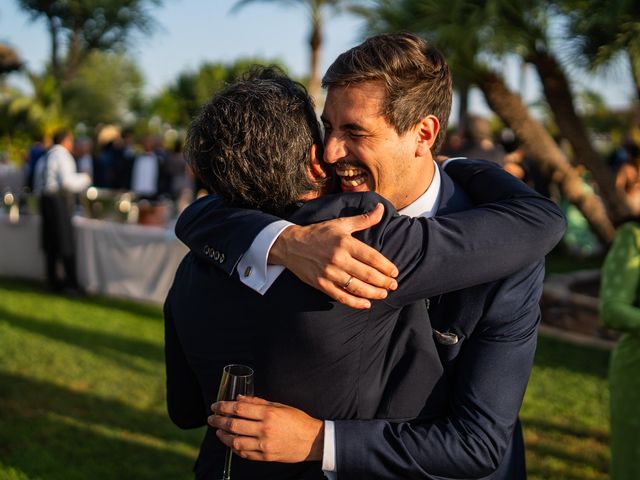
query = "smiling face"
{"x": 367, "y": 152}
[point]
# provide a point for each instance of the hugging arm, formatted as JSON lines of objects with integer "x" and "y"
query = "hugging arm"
{"x": 513, "y": 227}
{"x": 222, "y": 235}
{"x": 207, "y": 226}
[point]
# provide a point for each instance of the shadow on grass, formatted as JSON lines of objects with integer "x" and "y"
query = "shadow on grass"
{"x": 580, "y": 433}
{"x": 581, "y": 359}
{"x": 147, "y": 310}
{"x": 577, "y": 449}
{"x": 540, "y": 473}
{"x": 51, "y": 432}
{"x": 105, "y": 344}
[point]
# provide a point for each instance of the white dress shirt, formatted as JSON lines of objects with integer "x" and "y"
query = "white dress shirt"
{"x": 144, "y": 176}
{"x": 257, "y": 274}
{"x": 56, "y": 171}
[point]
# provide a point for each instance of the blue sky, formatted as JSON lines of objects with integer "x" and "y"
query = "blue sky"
{"x": 195, "y": 31}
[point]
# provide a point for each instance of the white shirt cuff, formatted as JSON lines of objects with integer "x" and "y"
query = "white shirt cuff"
{"x": 252, "y": 267}
{"x": 329, "y": 452}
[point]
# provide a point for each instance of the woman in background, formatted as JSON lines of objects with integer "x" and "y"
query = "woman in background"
{"x": 619, "y": 296}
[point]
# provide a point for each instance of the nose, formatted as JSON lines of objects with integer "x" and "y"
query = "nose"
{"x": 334, "y": 149}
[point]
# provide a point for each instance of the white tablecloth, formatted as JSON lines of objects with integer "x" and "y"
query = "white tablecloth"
{"x": 115, "y": 259}
{"x": 20, "y": 253}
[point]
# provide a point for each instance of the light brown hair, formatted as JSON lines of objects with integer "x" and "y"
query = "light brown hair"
{"x": 415, "y": 74}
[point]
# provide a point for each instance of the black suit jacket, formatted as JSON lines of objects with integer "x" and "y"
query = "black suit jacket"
{"x": 332, "y": 361}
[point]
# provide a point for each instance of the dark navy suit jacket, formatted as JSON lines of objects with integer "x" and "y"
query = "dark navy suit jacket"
{"x": 461, "y": 398}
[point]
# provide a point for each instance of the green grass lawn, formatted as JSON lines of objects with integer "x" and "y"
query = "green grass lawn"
{"x": 82, "y": 396}
{"x": 82, "y": 391}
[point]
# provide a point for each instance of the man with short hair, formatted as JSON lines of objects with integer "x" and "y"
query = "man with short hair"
{"x": 255, "y": 144}
{"x": 386, "y": 110}
{"x": 56, "y": 181}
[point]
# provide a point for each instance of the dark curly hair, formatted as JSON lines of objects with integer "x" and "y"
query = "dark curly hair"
{"x": 250, "y": 143}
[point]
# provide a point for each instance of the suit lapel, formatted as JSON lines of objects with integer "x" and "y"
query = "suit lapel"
{"x": 452, "y": 197}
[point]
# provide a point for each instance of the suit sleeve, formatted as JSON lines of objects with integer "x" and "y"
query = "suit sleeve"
{"x": 470, "y": 441}
{"x": 219, "y": 234}
{"x": 184, "y": 398}
{"x": 620, "y": 281}
{"x": 512, "y": 227}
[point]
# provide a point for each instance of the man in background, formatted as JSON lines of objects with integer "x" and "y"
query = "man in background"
{"x": 56, "y": 182}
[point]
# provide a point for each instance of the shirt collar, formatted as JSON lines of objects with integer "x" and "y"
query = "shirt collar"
{"x": 426, "y": 205}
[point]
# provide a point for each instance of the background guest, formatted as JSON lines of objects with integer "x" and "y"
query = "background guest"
{"x": 619, "y": 310}
{"x": 478, "y": 141}
{"x": 82, "y": 150}
{"x": 144, "y": 177}
{"x": 104, "y": 172}
{"x": 56, "y": 181}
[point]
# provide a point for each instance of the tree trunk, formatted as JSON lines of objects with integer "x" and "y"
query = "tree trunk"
{"x": 463, "y": 107}
{"x": 75, "y": 55}
{"x": 634, "y": 63}
{"x": 315, "y": 43}
{"x": 545, "y": 152}
{"x": 560, "y": 100}
{"x": 55, "y": 60}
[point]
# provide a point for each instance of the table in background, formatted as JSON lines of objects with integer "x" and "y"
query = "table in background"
{"x": 114, "y": 259}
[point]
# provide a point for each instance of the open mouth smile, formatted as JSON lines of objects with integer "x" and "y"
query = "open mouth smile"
{"x": 351, "y": 176}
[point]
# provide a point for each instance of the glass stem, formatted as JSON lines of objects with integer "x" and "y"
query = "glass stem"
{"x": 227, "y": 465}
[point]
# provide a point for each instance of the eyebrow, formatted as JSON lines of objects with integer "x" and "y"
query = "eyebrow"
{"x": 347, "y": 126}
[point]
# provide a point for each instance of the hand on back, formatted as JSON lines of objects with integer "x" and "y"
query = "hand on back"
{"x": 327, "y": 257}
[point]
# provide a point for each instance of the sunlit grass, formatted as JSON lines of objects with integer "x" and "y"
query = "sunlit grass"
{"x": 565, "y": 413}
{"x": 82, "y": 391}
{"x": 82, "y": 396}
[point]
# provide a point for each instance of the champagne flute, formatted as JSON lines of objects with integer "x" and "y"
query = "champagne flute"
{"x": 236, "y": 380}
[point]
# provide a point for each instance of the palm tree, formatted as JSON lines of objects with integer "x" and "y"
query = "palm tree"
{"x": 471, "y": 33}
{"x": 39, "y": 113}
{"x": 88, "y": 25}
{"x": 316, "y": 9}
{"x": 531, "y": 19}
{"x": 600, "y": 31}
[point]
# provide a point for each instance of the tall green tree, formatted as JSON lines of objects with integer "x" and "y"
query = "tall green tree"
{"x": 476, "y": 36}
{"x": 532, "y": 21}
{"x": 78, "y": 27}
{"x": 102, "y": 89}
{"x": 31, "y": 115}
{"x": 180, "y": 101}
{"x": 603, "y": 31}
{"x": 315, "y": 10}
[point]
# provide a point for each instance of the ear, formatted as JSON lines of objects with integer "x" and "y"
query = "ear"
{"x": 316, "y": 169}
{"x": 427, "y": 130}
